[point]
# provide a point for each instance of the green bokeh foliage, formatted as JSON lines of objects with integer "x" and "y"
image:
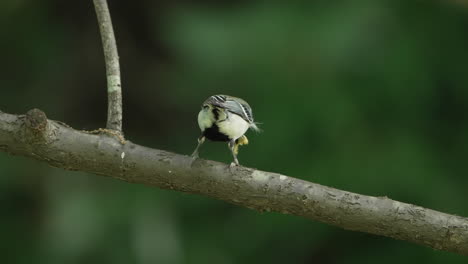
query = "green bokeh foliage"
{"x": 366, "y": 96}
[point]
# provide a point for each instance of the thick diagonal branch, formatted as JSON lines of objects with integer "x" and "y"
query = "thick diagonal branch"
{"x": 36, "y": 137}
{"x": 114, "y": 90}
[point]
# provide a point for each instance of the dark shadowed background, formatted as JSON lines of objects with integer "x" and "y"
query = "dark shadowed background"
{"x": 366, "y": 96}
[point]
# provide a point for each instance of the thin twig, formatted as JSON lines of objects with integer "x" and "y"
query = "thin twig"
{"x": 114, "y": 90}
{"x": 60, "y": 146}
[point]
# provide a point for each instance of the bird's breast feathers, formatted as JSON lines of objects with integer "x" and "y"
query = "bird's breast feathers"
{"x": 229, "y": 124}
{"x": 234, "y": 126}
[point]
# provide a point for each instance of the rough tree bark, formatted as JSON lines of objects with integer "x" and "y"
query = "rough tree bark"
{"x": 34, "y": 136}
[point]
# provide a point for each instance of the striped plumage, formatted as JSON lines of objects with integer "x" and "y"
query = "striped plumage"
{"x": 225, "y": 118}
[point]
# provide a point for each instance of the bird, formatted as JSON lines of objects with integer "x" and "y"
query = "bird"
{"x": 225, "y": 118}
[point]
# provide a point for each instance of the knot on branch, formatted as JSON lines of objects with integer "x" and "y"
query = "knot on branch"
{"x": 36, "y": 121}
{"x": 35, "y": 127}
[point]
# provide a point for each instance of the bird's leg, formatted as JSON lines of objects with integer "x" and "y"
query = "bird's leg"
{"x": 201, "y": 139}
{"x": 233, "y": 146}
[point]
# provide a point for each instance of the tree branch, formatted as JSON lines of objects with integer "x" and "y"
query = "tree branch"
{"x": 34, "y": 136}
{"x": 114, "y": 91}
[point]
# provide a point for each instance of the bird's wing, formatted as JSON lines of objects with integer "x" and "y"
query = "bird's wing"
{"x": 234, "y": 105}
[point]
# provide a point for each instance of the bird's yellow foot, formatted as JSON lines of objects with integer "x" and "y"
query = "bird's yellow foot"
{"x": 242, "y": 140}
{"x": 239, "y": 142}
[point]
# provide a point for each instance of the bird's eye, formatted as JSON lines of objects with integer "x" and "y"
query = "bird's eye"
{"x": 205, "y": 107}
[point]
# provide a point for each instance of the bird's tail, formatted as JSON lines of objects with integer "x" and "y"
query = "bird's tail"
{"x": 255, "y": 128}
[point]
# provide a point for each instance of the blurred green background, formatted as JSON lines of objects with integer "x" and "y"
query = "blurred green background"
{"x": 367, "y": 96}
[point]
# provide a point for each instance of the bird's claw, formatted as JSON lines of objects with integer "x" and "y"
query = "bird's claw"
{"x": 195, "y": 154}
{"x": 194, "y": 157}
{"x": 231, "y": 167}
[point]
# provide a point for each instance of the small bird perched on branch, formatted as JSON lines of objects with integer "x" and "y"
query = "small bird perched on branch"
{"x": 225, "y": 118}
